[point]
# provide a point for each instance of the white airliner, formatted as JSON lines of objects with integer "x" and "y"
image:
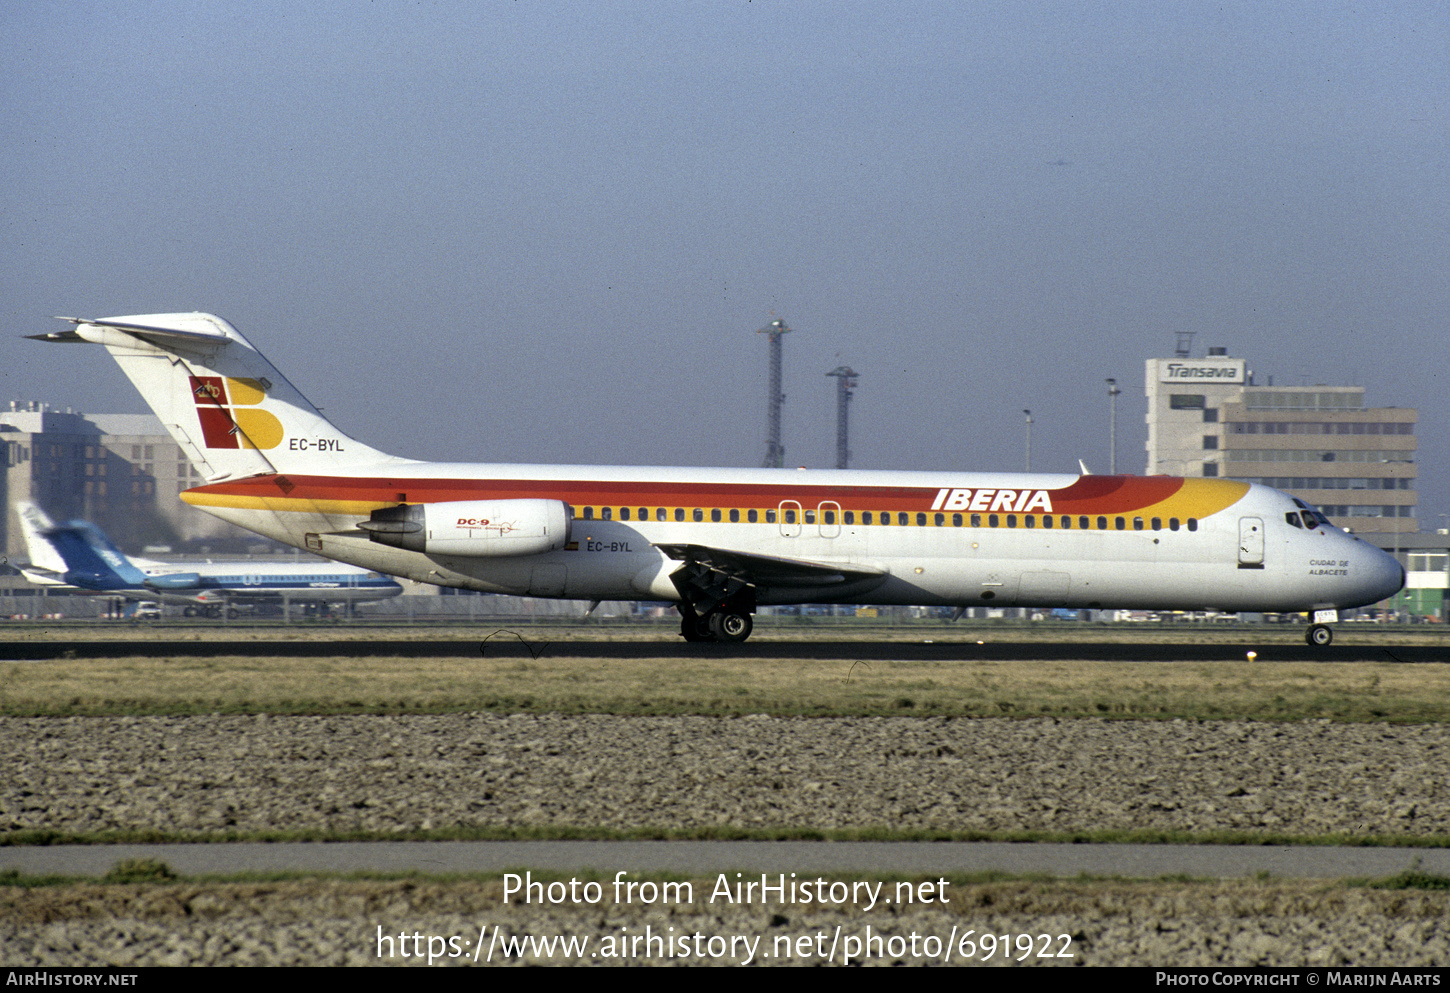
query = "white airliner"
{"x": 80, "y": 558}
{"x": 720, "y": 542}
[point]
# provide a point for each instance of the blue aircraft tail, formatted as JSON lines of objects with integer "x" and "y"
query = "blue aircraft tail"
{"x": 92, "y": 562}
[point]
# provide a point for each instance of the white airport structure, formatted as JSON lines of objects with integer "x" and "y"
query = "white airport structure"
{"x": 1209, "y": 417}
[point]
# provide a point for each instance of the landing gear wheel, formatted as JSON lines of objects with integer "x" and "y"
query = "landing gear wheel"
{"x": 730, "y": 627}
{"x": 1319, "y": 635}
{"x": 695, "y": 628}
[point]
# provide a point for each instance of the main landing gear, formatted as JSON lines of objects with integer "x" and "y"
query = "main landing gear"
{"x": 722, "y": 624}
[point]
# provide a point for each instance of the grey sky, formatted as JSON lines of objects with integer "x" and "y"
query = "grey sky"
{"x": 546, "y": 232}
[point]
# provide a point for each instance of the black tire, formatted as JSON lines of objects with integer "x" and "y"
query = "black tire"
{"x": 1319, "y": 635}
{"x": 729, "y": 627}
{"x": 695, "y": 629}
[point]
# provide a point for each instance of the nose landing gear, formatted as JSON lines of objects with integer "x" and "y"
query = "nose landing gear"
{"x": 1319, "y": 635}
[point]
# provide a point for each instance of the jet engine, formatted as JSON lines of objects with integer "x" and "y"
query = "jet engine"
{"x": 483, "y": 528}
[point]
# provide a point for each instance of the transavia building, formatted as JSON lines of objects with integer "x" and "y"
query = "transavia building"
{"x": 1208, "y": 417}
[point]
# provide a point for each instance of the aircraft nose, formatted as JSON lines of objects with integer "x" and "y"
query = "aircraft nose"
{"x": 1384, "y": 576}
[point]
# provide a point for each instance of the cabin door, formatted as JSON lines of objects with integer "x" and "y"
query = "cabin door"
{"x": 1251, "y": 543}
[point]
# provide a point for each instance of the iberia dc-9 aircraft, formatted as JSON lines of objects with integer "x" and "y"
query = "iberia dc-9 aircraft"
{"x": 720, "y": 542}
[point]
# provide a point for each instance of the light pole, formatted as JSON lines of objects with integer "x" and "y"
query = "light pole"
{"x": 1113, "y": 392}
{"x": 1029, "y": 439}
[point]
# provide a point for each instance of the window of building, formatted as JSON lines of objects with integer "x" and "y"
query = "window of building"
{"x": 1186, "y": 401}
{"x": 1210, "y": 443}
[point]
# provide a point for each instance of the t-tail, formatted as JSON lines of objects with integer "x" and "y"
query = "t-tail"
{"x": 228, "y": 408}
{"x": 92, "y": 561}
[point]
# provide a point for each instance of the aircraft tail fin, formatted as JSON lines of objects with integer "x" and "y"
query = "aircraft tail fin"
{"x": 228, "y": 408}
{"x": 33, "y": 525}
{"x": 91, "y": 561}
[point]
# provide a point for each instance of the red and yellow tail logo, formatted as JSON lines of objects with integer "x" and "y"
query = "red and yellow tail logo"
{"x": 225, "y": 405}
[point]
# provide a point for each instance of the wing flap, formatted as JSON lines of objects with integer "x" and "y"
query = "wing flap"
{"x": 768, "y": 570}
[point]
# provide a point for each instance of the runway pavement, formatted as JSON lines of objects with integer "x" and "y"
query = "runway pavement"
{"x": 818, "y": 648}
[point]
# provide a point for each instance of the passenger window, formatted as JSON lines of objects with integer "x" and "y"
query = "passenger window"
{"x": 1011, "y": 520}
{"x": 828, "y": 516}
{"x": 589, "y": 513}
{"x": 956, "y": 520}
{"x": 1172, "y": 524}
{"x": 1082, "y": 524}
{"x": 644, "y": 513}
{"x": 1120, "y": 524}
{"x": 624, "y": 513}
{"x": 1157, "y": 524}
{"x": 734, "y": 516}
{"x": 810, "y": 517}
{"x": 660, "y": 514}
{"x": 606, "y": 513}
{"x": 1047, "y": 521}
{"x": 699, "y": 515}
{"x": 770, "y": 517}
{"x": 976, "y": 520}
{"x": 921, "y": 520}
{"x": 679, "y": 513}
{"x": 715, "y": 515}
{"x": 1137, "y": 524}
{"x": 1193, "y": 524}
{"x": 849, "y": 516}
{"x": 1102, "y": 523}
{"x": 991, "y": 520}
{"x": 865, "y": 517}
{"x": 903, "y": 519}
{"x": 753, "y": 516}
{"x": 790, "y": 516}
{"x": 940, "y": 519}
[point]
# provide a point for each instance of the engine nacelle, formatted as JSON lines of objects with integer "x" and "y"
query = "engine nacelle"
{"x": 482, "y": 528}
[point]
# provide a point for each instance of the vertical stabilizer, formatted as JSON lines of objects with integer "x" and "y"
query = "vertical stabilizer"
{"x": 46, "y": 565}
{"x": 228, "y": 408}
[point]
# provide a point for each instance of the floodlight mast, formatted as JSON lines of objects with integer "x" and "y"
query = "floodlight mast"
{"x": 774, "y": 398}
{"x": 845, "y": 383}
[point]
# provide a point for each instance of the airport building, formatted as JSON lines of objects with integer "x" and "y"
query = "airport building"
{"x": 121, "y": 471}
{"x": 1208, "y": 417}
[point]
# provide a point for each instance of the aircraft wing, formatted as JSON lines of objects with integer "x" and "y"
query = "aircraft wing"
{"x": 710, "y": 576}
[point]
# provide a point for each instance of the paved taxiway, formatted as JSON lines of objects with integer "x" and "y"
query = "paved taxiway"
{"x": 701, "y": 857}
{"x": 867, "y": 651}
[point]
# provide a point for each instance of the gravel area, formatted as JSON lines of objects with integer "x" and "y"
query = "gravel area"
{"x": 343, "y": 923}
{"x": 396, "y": 773}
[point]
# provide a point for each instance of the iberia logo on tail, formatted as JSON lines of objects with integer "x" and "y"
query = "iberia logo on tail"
{"x": 229, "y": 415}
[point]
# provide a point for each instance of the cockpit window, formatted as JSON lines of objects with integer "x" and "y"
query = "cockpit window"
{"x": 1293, "y": 519}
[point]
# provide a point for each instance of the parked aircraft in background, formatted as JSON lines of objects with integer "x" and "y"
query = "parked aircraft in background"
{"x": 78, "y": 556}
{"x": 720, "y": 542}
